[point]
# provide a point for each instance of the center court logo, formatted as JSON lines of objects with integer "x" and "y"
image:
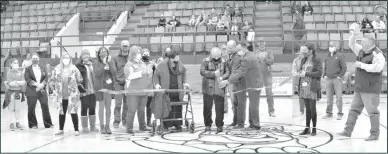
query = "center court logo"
{"x": 272, "y": 138}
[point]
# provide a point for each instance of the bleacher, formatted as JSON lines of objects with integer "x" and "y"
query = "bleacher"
{"x": 146, "y": 31}
{"x": 331, "y": 16}
{"x": 39, "y": 19}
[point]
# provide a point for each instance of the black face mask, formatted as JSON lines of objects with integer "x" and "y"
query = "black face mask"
{"x": 146, "y": 58}
{"x": 175, "y": 62}
{"x": 217, "y": 60}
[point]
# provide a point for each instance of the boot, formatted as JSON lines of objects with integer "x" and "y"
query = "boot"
{"x": 314, "y": 132}
{"x": 149, "y": 122}
{"x": 84, "y": 122}
{"x": 102, "y": 129}
{"x": 305, "y": 131}
{"x": 92, "y": 120}
{"x": 107, "y": 129}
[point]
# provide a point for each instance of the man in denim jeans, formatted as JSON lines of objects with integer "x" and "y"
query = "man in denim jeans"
{"x": 334, "y": 70}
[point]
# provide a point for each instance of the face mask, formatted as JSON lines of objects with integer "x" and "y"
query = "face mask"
{"x": 102, "y": 55}
{"x": 66, "y": 61}
{"x": 15, "y": 66}
{"x": 332, "y": 49}
{"x": 35, "y": 61}
{"x": 217, "y": 60}
{"x": 146, "y": 58}
{"x": 175, "y": 62}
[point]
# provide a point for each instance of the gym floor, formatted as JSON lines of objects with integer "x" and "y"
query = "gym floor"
{"x": 280, "y": 133}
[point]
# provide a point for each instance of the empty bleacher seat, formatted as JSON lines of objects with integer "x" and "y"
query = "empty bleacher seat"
{"x": 310, "y": 26}
{"x": 154, "y": 43}
{"x": 199, "y": 40}
{"x": 357, "y": 9}
{"x": 210, "y": 42}
{"x": 336, "y": 9}
{"x": 166, "y": 41}
{"x": 159, "y": 30}
{"x": 347, "y": 9}
{"x": 188, "y": 46}
{"x": 287, "y": 18}
{"x": 143, "y": 42}
{"x": 368, "y": 9}
{"x": 332, "y": 26}
{"x": 222, "y": 39}
{"x": 326, "y": 9}
{"x": 319, "y": 18}
{"x": 342, "y": 26}
{"x": 339, "y": 17}
{"x": 382, "y": 37}
{"x": 324, "y": 41}
{"x": 329, "y": 18}
{"x": 350, "y": 18}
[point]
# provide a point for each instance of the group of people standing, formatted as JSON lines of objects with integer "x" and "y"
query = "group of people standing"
{"x": 237, "y": 66}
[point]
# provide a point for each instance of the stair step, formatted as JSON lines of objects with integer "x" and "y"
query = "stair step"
{"x": 268, "y": 22}
{"x": 271, "y": 29}
{"x": 268, "y": 14}
{"x": 275, "y": 50}
{"x": 265, "y": 7}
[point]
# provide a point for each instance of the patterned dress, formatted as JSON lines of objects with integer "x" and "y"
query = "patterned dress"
{"x": 305, "y": 83}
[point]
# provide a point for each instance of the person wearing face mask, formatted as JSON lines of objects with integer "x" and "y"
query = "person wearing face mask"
{"x": 88, "y": 97}
{"x": 164, "y": 55}
{"x": 103, "y": 80}
{"x": 170, "y": 74}
{"x": 138, "y": 77}
{"x": 151, "y": 64}
{"x": 309, "y": 85}
{"x": 239, "y": 99}
{"x": 66, "y": 81}
{"x": 266, "y": 61}
{"x": 14, "y": 94}
{"x": 213, "y": 70}
{"x": 333, "y": 72}
{"x": 36, "y": 78}
{"x": 119, "y": 81}
{"x": 368, "y": 83}
{"x": 250, "y": 70}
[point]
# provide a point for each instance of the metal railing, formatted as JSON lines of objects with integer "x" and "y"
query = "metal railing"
{"x": 214, "y": 33}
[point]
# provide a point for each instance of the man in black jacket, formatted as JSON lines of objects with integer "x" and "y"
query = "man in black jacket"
{"x": 118, "y": 66}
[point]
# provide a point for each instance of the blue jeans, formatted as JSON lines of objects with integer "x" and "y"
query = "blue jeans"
{"x": 334, "y": 85}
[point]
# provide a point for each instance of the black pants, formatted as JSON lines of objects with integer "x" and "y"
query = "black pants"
{"x": 208, "y": 106}
{"x": 62, "y": 118}
{"x": 311, "y": 111}
{"x": 31, "y": 103}
{"x": 88, "y": 102}
{"x": 148, "y": 110}
{"x": 176, "y": 112}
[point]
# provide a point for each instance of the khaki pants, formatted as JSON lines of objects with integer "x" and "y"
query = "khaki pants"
{"x": 371, "y": 102}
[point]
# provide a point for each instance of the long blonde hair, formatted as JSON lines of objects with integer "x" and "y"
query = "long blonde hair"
{"x": 60, "y": 66}
{"x": 133, "y": 51}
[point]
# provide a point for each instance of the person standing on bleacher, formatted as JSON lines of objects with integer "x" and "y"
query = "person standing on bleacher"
{"x": 368, "y": 83}
{"x": 118, "y": 67}
{"x": 333, "y": 72}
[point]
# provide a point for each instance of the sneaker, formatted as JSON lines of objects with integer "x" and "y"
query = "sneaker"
{"x": 305, "y": 131}
{"x": 12, "y": 127}
{"x": 207, "y": 129}
{"x": 178, "y": 129}
{"x": 372, "y": 138}
{"x": 60, "y": 132}
{"x": 107, "y": 129}
{"x": 238, "y": 127}
{"x": 145, "y": 129}
{"x": 76, "y": 133}
{"x": 130, "y": 132}
{"x": 339, "y": 117}
{"x": 116, "y": 125}
{"x": 272, "y": 114}
{"x": 344, "y": 133}
{"x": 232, "y": 124}
{"x": 219, "y": 129}
{"x": 328, "y": 115}
{"x": 34, "y": 127}
{"x": 18, "y": 126}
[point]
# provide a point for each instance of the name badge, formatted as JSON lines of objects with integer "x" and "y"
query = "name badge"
{"x": 109, "y": 81}
{"x": 304, "y": 84}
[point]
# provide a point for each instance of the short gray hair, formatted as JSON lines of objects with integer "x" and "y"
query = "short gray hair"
{"x": 370, "y": 38}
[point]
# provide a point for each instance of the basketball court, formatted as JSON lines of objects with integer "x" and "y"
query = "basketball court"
{"x": 279, "y": 134}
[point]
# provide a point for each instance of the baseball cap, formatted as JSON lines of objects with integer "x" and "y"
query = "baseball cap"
{"x": 260, "y": 39}
{"x": 125, "y": 43}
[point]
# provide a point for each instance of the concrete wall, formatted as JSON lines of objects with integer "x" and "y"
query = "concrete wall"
{"x": 71, "y": 28}
{"x": 116, "y": 28}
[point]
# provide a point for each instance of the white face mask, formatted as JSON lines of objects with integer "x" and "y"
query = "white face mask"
{"x": 332, "y": 49}
{"x": 66, "y": 61}
{"x": 14, "y": 66}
